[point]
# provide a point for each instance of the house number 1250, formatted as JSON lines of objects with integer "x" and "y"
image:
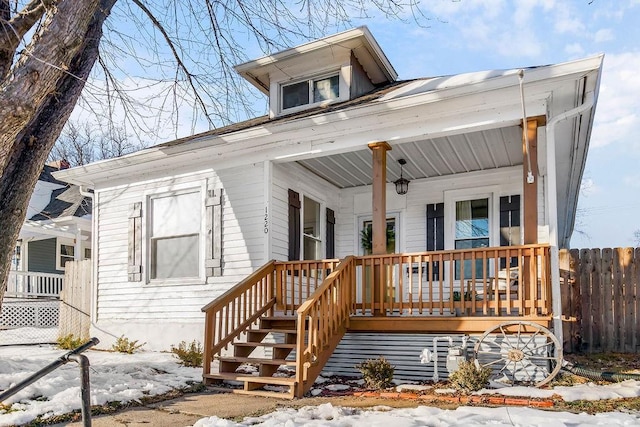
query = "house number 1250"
{"x": 266, "y": 220}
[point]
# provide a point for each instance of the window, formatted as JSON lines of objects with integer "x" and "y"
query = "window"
{"x": 87, "y": 253}
{"x": 310, "y": 91}
{"x": 471, "y": 231}
{"x": 311, "y": 231}
{"x": 366, "y": 236}
{"x": 175, "y": 236}
{"x": 66, "y": 253}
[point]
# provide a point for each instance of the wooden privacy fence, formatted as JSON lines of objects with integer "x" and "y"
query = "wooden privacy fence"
{"x": 75, "y": 300}
{"x": 601, "y": 299}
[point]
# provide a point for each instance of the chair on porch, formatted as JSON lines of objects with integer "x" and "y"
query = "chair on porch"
{"x": 505, "y": 279}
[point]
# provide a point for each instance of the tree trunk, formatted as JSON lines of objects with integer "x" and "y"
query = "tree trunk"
{"x": 42, "y": 105}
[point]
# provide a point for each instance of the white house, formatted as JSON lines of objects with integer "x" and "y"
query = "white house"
{"x": 57, "y": 230}
{"x": 473, "y": 241}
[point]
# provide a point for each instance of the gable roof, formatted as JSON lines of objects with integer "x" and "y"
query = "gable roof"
{"x": 65, "y": 202}
{"x": 375, "y": 94}
{"x": 358, "y": 41}
{"x": 46, "y": 176}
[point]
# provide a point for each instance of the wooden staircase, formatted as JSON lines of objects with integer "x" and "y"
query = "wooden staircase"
{"x": 299, "y": 308}
{"x": 275, "y": 335}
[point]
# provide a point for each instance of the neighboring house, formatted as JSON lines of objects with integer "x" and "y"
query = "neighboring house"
{"x": 474, "y": 238}
{"x": 57, "y": 230}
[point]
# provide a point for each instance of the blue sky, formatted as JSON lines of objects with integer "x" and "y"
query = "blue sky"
{"x": 472, "y": 35}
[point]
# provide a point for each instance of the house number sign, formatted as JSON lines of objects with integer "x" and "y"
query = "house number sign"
{"x": 266, "y": 219}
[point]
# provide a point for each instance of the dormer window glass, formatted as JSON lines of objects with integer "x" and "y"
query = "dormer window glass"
{"x": 310, "y": 91}
{"x": 326, "y": 89}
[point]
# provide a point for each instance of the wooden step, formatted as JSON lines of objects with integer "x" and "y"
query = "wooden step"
{"x": 257, "y": 361}
{"x": 264, "y": 344}
{"x": 251, "y": 378}
{"x": 280, "y": 350}
{"x": 282, "y": 322}
{"x": 253, "y": 385}
{"x": 276, "y": 331}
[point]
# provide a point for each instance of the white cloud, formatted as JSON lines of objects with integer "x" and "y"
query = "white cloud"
{"x": 574, "y": 49}
{"x": 632, "y": 181}
{"x": 618, "y": 111}
{"x": 604, "y": 35}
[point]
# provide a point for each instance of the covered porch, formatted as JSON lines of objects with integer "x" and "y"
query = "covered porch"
{"x": 314, "y": 303}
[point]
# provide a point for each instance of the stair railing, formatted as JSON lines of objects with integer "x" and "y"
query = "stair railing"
{"x": 323, "y": 320}
{"x": 232, "y": 313}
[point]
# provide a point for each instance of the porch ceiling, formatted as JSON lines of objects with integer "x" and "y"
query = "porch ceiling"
{"x": 486, "y": 149}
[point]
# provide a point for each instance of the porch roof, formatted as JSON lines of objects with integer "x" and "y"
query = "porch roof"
{"x": 465, "y": 122}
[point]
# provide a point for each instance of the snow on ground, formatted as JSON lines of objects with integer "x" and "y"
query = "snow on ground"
{"x": 464, "y": 416}
{"x": 114, "y": 377}
{"x": 28, "y": 335}
{"x": 123, "y": 378}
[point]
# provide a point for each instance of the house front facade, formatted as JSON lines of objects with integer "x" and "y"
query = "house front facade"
{"x": 491, "y": 159}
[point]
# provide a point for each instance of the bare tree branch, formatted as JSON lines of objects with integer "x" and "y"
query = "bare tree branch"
{"x": 179, "y": 62}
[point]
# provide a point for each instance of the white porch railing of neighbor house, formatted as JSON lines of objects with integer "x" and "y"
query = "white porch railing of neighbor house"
{"x": 32, "y": 284}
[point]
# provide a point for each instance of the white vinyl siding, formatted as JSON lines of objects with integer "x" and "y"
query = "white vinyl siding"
{"x": 243, "y": 248}
{"x": 291, "y": 176}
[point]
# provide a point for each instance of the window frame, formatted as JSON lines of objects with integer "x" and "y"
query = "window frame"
{"x": 147, "y": 229}
{"x": 321, "y": 239}
{"x": 321, "y": 228}
{"x": 310, "y": 85}
{"x": 451, "y": 197}
{"x": 59, "y": 243}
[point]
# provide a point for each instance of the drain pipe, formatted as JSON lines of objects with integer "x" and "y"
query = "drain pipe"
{"x": 552, "y": 198}
{"x": 599, "y": 375}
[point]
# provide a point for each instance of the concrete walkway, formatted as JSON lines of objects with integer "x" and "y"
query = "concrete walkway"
{"x": 186, "y": 410}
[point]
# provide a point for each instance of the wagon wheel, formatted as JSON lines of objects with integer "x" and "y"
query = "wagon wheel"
{"x": 520, "y": 353}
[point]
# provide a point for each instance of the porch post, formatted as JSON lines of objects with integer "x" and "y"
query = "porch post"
{"x": 530, "y": 190}
{"x": 530, "y": 196}
{"x": 379, "y": 220}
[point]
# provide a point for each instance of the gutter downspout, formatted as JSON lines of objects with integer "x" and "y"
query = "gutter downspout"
{"x": 551, "y": 190}
{"x": 94, "y": 253}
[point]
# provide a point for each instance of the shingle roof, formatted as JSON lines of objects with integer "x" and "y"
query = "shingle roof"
{"x": 46, "y": 176}
{"x": 258, "y": 121}
{"x": 65, "y": 201}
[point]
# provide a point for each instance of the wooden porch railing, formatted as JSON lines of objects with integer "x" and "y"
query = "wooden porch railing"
{"x": 508, "y": 280}
{"x": 323, "y": 319}
{"x": 296, "y": 281}
{"x": 33, "y": 284}
{"x": 327, "y": 295}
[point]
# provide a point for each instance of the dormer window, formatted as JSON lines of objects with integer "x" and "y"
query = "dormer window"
{"x": 310, "y": 91}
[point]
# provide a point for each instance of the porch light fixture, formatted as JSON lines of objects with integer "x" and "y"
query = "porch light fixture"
{"x": 402, "y": 184}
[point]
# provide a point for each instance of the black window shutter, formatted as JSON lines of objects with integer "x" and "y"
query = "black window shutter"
{"x": 294, "y": 225}
{"x": 509, "y": 224}
{"x": 435, "y": 232}
{"x": 331, "y": 238}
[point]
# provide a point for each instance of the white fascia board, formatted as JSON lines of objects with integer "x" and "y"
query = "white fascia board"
{"x": 37, "y": 229}
{"x": 330, "y": 127}
{"x": 258, "y": 69}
